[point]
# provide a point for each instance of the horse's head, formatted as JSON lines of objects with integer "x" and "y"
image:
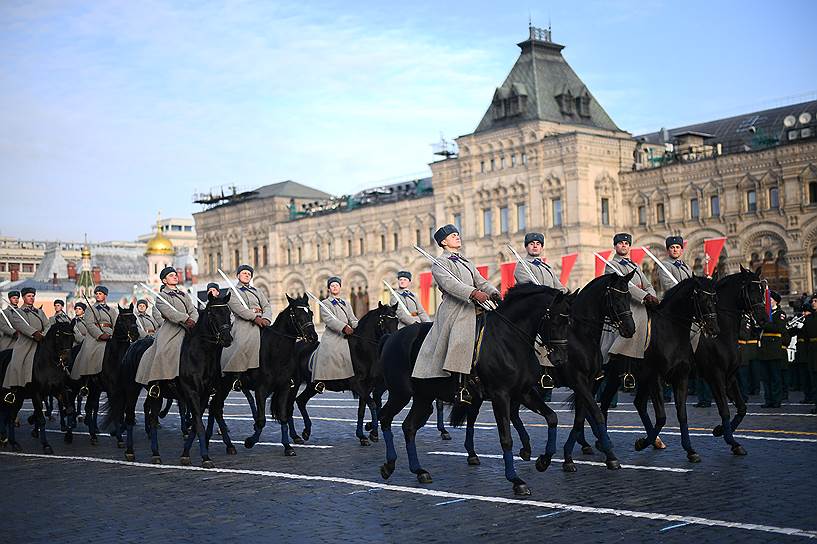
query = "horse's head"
{"x": 617, "y": 304}
{"x": 301, "y": 318}
{"x": 386, "y": 319}
{"x": 704, "y": 299}
{"x": 554, "y": 327}
{"x": 752, "y": 295}
{"x": 62, "y": 333}
{"x": 218, "y": 319}
{"x": 126, "y": 325}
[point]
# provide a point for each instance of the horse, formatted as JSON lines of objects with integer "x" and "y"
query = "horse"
{"x": 669, "y": 355}
{"x": 717, "y": 359}
{"x": 506, "y": 369}
{"x": 49, "y": 377}
{"x": 199, "y": 371}
{"x": 364, "y": 346}
{"x": 274, "y": 376}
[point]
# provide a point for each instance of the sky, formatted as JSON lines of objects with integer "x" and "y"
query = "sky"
{"x": 112, "y": 111}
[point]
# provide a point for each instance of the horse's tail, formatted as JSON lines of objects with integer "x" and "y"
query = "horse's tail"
{"x": 459, "y": 414}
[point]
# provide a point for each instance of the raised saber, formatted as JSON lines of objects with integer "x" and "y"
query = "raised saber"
{"x": 139, "y": 321}
{"x": 234, "y": 288}
{"x": 324, "y": 306}
{"x": 156, "y": 294}
{"x": 660, "y": 264}
{"x": 608, "y": 263}
{"x": 427, "y": 255}
{"x": 13, "y": 309}
{"x": 524, "y": 264}
{"x": 396, "y": 296}
{"x": 5, "y": 317}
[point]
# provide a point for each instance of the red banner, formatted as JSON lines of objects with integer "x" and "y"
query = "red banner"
{"x": 506, "y": 273}
{"x": 425, "y": 289}
{"x": 713, "y": 248}
{"x": 601, "y": 264}
{"x": 637, "y": 255}
{"x": 483, "y": 270}
{"x": 567, "y": 266}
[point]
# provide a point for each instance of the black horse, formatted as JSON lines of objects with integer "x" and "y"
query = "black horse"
{"x": 669, "y": 356}
{"x": 125, "y": 332}
{"x": 506, "y": 368}
{"x": 274, "y": 376}
{"x": 199, "y": 372}
{"x": 49, "y": 377}
{"x": 364, "y": 346}
{"x": 605, "y": 299}
{"x": 717, "y": 359}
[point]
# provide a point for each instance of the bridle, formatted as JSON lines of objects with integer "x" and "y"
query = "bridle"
{"x": 703, "y": 319}
{"x": 216, "y": 332}
{"x": 615, "y": 319}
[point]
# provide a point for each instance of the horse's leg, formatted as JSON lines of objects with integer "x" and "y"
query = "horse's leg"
{"x": 374, "y": 426}
{"x": 598, "y": 424}
{"x": 578, "y": 425}
{"x": 718, "y": 386}
{"x": 293, "y": 433}
{"x": 524, "y": 437}
{"x": 281, "y": 410}
{"x": 39, "y": 422}
{"x": 536, "y": 403}
{"x": 216, "y": 412}
{"x": 659, "y": 407}
{"x": 49, "y": 410}
{"x": 377, "y": 398}
{"x": 65, "y": 405}
{"x": 735, "y": 396}
{"x": 642, "y": 394}
{"x": 130, "y": 421}
{"x": 198, "y": 429}
{"x": 92, "y": 406}
{"x": 361, "y": 413}
{"x": 260, "y": 420}
{"x": 501, "y": 403}
{"x": 302, "y": 399}
{"x": 472, "y": 414}
{"x": 680, "y": 390}
{"x": 393, "y": 406}
{"x": 439, "y": 406}
{"x": 250, "y": 401}
{"x": 153, "y": 407}
{"x": 419, "y": 413}
{"x": 13, "y": 414}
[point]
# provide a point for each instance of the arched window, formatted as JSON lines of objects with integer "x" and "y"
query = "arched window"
{"x": 769, "y": 252}
{"x": 814, "y": 269}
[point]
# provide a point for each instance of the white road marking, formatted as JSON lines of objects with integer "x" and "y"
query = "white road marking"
{"x": 676, "y": 518}
{"x": 214, "y": 438}
{"x": 578, "y": 462}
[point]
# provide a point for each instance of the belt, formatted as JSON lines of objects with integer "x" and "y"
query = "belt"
{"x": 772, "y": 334}
{"x": 747, "y": 342}
{"x": 414, "y": 314}
{"x": 105, "y": 325}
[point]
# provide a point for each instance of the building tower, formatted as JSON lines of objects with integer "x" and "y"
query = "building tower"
{"x": 84, "y": 289}
{"x": 159, "y": 254}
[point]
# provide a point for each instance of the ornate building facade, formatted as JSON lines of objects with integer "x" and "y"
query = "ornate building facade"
{"x": 545, "y": 157}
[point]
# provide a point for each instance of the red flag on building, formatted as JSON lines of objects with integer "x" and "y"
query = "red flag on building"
{"x": 567, "y": 266}
{"x": 483, "y": 270}
{"x": 506, "y": 275}
{"x": 425, "y": 290}
{"x": 601, "y": 264}
{"x": 637, "y": 255}
{"x": 713, "y": 248}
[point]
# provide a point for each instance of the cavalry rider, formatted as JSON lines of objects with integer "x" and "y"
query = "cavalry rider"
{"x": 31, "y": 325}
{"x": 7, "y": 333}
{"x": 59, "y": 313}
{"x": 332, "y": 359}
{"x": 772, "y": 353}
{"x": 674, "y": 263}
{"x": 642, "y": 296}
{"x": 416, "y": 312}
{"x": 451, "y": 342}
{"x": 538, "y": 271}
{"x": 250, "y": 317}
{"x": 148, "y": 324}
{"x": 161, "y": 360}
{"x": 213, "y": 289}
{"x": 80, "y": 330}
{"x": 99, "y": 319}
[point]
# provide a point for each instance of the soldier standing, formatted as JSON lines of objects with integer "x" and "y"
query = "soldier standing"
{"x": 414, "y": 311}
{"x": 451, "y": 343}
{"x": 332, "y": 359}
{"x": 7, "y": 333}
{"x": 31, "y": 324}
{"x": 99, "y": 319}
{"x": 772, "y": 352}
{"x": 250, "y": 317}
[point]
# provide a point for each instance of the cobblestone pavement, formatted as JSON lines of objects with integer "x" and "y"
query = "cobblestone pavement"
{"x": 335, "y": 492}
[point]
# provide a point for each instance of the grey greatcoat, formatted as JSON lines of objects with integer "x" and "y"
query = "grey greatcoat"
{"x": 161, "y": 360}
{"x": 243, "y": 353}
{"x": 679, "y": 270}
{"x": 332, "y": 359}
{"x": 59, "y": 317}
{"x": 640, "y": 287}
{"x": 80, "y": 330}
{"x": 542, "y": 271}
{"x": 148, "y": 325}
{"x": 449, "y": 346}
{"x": 19, "y": 371}
{"x": 98, "y": 319}
{"x": 416, "y": 313}
{"x": 6, "y": 331}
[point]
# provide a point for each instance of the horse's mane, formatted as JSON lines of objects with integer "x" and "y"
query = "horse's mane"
{"x": 680, "y": 286}
{"x": 522, "y": 290}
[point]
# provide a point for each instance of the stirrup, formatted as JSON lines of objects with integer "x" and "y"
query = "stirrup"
{"x": 464, "y": 396}
{"x": 320, "y": 387}
{"x": 599, "y": 377}
{"x": 237, "y": 384}
{"x": 83, "y": 391}
{"x": 546, "y": 381}
{"x": 628, "y": 382}
{"x": 154, "y": 392}
{"x": 10, "y": 398}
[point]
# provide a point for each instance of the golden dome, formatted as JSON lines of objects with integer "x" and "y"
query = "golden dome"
{"x": 86, "y": 252}
{"x": 159, "y": 245}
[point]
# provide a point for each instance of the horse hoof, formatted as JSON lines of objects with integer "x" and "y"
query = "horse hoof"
{"x": 68, "y": 438}
{"x": 444, "y": 435}
{"x": 659, "y": 444}
{"x": 587, "y": 450}
{"x": 94, "y": 441}
{"x": 306, "y": 434}
{"x": 364, "y": 441}
{"x": 48, "y": 450}
{"x": 130, "y": 457}
{"x": 542, "y": 463}
{"x": 374, "y": 437}
{"x": 289, "y": 451}
{"x": 521, "y": 490}
{"x": 524, "y": 454}
{"x": 368, "y": 426}
{"x": 424, "y": 478}
{"x": 737, "y": 449}
{"x": 120, "y": 444}
{"x": 297, "y": 440}
{"x": 249, "y": 443}
{"x": 386, "y": 470}
{"x": 613, "y": 464}
{"x": 473, "y": 460}
{"x": 208, "y": 464}
{"x": 718, "y": 430}
{"x": 569, "y": 466}
{"x": 694, "y": 457}
{"x": 640, "y": 444}
{"x": 156, "y": 460}
{"x": 185, "y": 461}
{"x": 35, "y": 433}
{"x": 231, "y": 450}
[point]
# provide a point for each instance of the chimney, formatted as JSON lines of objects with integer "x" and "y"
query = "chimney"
{"x": 96, "y": 273}
{"x": 54, "y": 280}
{"x": 72, "y": 271}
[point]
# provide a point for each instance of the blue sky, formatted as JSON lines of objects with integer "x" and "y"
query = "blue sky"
{"x": 114, "y": 110}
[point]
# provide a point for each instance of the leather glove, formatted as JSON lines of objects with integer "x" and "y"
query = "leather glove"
{"x": 651, "y": 302}
{"x": 38, "y": 336}
{"x": 479, "y": 296}
{"x": 104, "y": 337}
{"x": 189, "y": 324}
{"x": 347, "y": 330}
{"x": 496, "y": 297}
{"x": 260, "y": 321}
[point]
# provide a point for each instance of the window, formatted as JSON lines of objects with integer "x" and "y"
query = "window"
{"x": 513, "y": 160}
{"x": 255, "y": 257}
{"x": 300, "y": 255}
{"x": 694, "y": 208}
{"x": 605, "y": 211}
{"x": 714, "y": 206}
{"x": 2, "y": 267}
{"x": 431, "y": 239}
{"x": 265, "y": 255}
{"x": 349, "y": 248}
{"x": 482, "y": 166}
{"x": 659, "y": 213}
{"x": 361, "y": 246}
{"x": 155, "y": 268}
{"x": 503, "y": 220}
{"x": 487, "y": 221}
{"x": 521, "y": 219}
{"x": 458, "y": 221}
{"x": 188, "y": 228}
{"x": 289, "y": 255}
{"x": 751, "y": 201}
{"x": 176, "y": 228}
{"x": 417, "y": 239}
{"x": 774, "y": 198}
{"x": 210, "y": 263}
{"x": 318, "y": 252}
{"x": 236, "y": 258}
{"x": 642, "y": 215}
{"x": 524, "y": 159}
{"x": 218, "y": 259}
{"x": 502, "y": 162}
{"x": 396, "y": 240}
{"x": 493, "y": 165}
{"x": 556, "y": 206}
{"x": 330, "y": 249}
{"x": 812, "y": 192}
{"x": 382, "y": 242}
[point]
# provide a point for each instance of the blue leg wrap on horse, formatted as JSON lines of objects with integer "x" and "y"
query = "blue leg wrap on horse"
{"x": 284, "y": 434}
{"x": 129, "y": 441}
{"x": 469, "y": 439}
{"x": 510, "y": 471}
{"x": 550, "y": 447}
{"x": 203, "y": 450}
{"x": 154, "y": 439}
{"x": 359, "y": 429}
{"x": 411, "y": 451}
{"x": 388, "y": 438}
